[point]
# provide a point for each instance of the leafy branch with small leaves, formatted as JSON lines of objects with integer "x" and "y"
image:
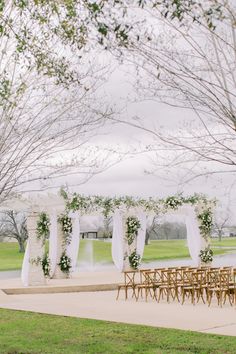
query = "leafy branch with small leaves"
{"x": 67, "y": 227}
{"x": 132, "y": 227}
{"x": 44, "y": 263}
{"x": 206, "y": 222}
{"x": 42, "y": 229}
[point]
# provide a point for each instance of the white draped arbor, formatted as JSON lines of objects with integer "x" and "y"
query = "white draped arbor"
{"x": 57, "y": 218}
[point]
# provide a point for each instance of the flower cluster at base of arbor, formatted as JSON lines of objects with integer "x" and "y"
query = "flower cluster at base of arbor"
{"x": 65, "y": 263}
{"x": 206, "y": 255}
{"x": 134, "y": 260}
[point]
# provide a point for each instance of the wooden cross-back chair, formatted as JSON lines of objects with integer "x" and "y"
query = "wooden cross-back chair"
{"x": 149, "y": 285}
{"x": 194, "y": 285}
{"x": 129, "y": 283}
{"x": 232, "y": 285}
{"x": 169, "y": 285}
{"x": 218, "y": 283}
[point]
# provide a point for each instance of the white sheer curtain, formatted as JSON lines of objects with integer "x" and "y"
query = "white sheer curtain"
{"x": 53, "y": 241}
{"x": 141, "y": 233}
{"x": 117, "y": 240}
{"x": 73, "y": 248}
{"x": 187, "y": 214}
{"x": 25, "y": 266}
{"x": 193, "y": 234}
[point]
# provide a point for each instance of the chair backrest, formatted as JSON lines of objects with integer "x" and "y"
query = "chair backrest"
{"x": 227, "y": 268}
{"x": 142, "y": 275}
{"x": 151, "y": 277}
{"x": 164, "y": 275}
{"x": 171, "y": 277}
{"x": 233, "y": 276}
{"x": 199, "y": 277}
{"x": 180, "y": 272}
{"x": 213, "y": 277}
{"x": 129, "y": 277}
{"x": 187, "y": 276}
{"x": 224, "y": 278}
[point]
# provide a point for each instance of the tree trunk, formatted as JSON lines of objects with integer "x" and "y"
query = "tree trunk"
{"x": 220, "y": 235}
{"x": 21, "y": 246}
{"x": 147, "y": 238}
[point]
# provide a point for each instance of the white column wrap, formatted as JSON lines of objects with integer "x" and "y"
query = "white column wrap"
{"x": 72, "y": 249}
{"x": 117, "y": 241}
{"x": 53, "y": 242}
{"x": 141, "y": 233}
{"x": 25, "y": 266}
{"x": 193, "y": 235}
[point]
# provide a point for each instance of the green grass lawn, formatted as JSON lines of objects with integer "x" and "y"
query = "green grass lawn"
{"x": 33, "y": 333}
{"x": 225, "y": 242}
{"x": 11, "y": 259}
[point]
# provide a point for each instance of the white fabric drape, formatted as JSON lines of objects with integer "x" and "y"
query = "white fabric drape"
{"x": 141, "y": 233}
{"x": 117, "y": 241}
{"x": 72, "y": 249}
{"x": 53, "y": 242}
{"x": 187, "y": 214}
{"x": 193, "y": 235}
{"x": 25, "y": 266}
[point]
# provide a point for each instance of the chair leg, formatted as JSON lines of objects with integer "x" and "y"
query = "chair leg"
{"x": 209, "y": 297}
{"x": 118, "y": 294}
{"x": 126, "y": 293}
{"x": 183, "y": 296}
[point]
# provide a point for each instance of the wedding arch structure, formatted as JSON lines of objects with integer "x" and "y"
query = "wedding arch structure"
{"x": 57, "y": 218}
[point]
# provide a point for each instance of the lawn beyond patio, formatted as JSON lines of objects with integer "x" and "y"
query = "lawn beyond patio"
{"x": 26, "y": 332}
{"x": 11, "y": 259}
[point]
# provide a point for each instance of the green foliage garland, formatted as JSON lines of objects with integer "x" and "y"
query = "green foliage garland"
{"x": 107, "y": 206}
{"x": 44, "y": 263}
{"x": 66, "y": 224}
{"x": 132, "y": 227}
{"x": 43, "y": 225}
{"x": 206, "y": 222}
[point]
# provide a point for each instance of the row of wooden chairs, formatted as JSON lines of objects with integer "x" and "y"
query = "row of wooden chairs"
{"x": 182, "y": 282}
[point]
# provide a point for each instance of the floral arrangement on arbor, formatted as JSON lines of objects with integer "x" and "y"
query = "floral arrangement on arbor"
{"x": 206, "y": 222}
{"x": 132, "y": 227}
{"x": 46, "y": 265}
{"x": 173, "y": 202}
{"x": 107, "y": 205}
{"x": 206, "y": 255}
{"x": 159, "y": 206}
{"x": 66, "y": 224}
{"x": 134, "y": 260}
{"x": 43, "y": 225}
{"x": 65, "y": 263}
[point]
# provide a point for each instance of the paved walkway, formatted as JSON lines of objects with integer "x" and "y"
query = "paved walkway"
{"x": 103, "y": 305}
